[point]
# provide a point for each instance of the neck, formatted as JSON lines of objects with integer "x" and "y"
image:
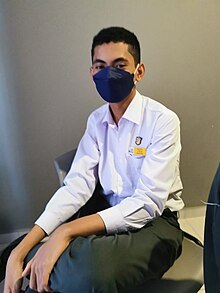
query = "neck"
{"x": 118, "y": 109}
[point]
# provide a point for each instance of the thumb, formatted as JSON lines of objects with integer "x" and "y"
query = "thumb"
{"x": 27, "y": 269}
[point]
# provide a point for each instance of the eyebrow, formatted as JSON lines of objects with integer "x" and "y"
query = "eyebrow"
{"x": 98, "y": 61}
{"x": 114, "y": 61}
{"x": 120, "y": 59}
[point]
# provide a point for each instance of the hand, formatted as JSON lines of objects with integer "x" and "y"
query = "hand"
{"x": 13, "y": 279}
{"x": 40, "y": 266}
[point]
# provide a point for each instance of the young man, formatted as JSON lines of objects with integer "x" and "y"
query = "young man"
{"x": 132, "y": 146}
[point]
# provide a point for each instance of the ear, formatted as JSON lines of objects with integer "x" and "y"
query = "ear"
{"x": 91, "y": 71}
{"x": 140, "y": 72}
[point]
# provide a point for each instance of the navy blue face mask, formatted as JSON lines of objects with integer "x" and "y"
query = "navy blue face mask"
{"x": 113, "y": 84}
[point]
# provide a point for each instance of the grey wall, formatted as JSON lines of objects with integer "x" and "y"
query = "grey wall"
{"x": 46, "y": 93}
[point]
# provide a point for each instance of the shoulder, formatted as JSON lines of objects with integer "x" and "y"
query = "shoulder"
{"x": 98, "y": 115}
{"x": 158, "y": 111}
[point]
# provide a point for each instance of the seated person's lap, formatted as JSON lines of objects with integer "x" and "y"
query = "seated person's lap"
{"x": 111, "y": 263}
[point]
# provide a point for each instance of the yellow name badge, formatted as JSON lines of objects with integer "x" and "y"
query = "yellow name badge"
{"x": 138, "y": 151}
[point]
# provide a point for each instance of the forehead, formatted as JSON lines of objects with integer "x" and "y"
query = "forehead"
{"x": 109, "y": 52}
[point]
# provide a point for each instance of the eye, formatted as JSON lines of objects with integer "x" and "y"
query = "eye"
{"x": 98, "y": 67}
{"x": 120, "y": 65}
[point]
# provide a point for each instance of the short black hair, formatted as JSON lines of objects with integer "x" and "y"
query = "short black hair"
{"x": 117, "y": 34}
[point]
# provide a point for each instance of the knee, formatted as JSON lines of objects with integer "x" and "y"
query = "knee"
{"x": 97, "y": 267}
{"x": 85, "y": 267}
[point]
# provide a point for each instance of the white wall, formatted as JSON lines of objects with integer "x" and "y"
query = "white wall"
{"x": 46, "y": 54}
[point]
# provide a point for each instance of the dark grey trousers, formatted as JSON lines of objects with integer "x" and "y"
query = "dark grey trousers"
{"x": 120, "y": 262}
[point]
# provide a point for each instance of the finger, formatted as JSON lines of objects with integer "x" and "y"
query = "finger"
{"x": 42, "y": 282}
{"x": 7, "y": 290}
{"x": 47, "y": 289}
{"x": 33, "y": 282}
{"x": 27, "y": 269}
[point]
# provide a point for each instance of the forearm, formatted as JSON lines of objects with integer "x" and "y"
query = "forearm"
{"x": 31, "y": 239}
{"x": 84, "y": 226}
{"x": 41, "y": 265}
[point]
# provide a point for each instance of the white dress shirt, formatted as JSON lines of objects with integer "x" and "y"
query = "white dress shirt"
{"x": 137, "y": 163}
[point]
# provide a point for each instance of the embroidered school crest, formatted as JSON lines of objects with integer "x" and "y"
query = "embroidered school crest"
{"x": 138, "y": 140}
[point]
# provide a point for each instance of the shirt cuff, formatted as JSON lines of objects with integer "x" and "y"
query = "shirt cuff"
{"x": 48, "y": 222}
{"x": 113, "y": 220}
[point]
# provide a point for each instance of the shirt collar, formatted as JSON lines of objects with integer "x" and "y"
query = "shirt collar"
{"x": 134, "y": 110}
{"x": 108, "y": 116}
{"x": 132, "y": 113}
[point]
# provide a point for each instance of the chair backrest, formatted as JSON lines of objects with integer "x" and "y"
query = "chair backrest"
{"x": 63, "y": 164}
{"x": 185, "y": 276}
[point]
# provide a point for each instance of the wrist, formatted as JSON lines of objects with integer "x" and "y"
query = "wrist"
{"x": 18, "y": 254}
{"x": 63, "y": 232}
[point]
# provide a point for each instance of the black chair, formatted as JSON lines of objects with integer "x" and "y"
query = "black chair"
{"x": 212, "y": 238}
{"x": 185, "y": 276}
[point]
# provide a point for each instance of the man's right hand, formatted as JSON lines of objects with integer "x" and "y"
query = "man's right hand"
{"x": 13, "y": 279}
{"x": 14, "y": 269}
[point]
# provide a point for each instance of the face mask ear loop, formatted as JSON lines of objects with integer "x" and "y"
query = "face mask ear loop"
{"x": 135, "y": 82}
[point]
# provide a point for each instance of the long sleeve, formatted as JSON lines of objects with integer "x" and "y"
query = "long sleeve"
{"x": 157, "y": 176}
{"x": 79, "y": 185}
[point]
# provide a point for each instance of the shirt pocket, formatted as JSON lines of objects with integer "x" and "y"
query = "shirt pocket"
{"x": 135, "y": 163}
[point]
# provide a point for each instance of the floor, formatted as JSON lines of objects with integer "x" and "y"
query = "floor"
{"x": 191, "y": 220}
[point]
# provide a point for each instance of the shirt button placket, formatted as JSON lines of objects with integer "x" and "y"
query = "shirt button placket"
{"x": 119, "y": 159}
